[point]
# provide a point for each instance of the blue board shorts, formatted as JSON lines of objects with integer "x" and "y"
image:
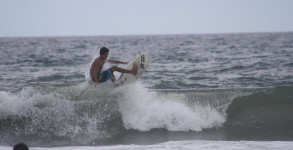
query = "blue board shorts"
{"x": 105, "y": 76}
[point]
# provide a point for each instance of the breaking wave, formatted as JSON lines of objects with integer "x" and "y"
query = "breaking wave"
{"x": 54, "y": 115}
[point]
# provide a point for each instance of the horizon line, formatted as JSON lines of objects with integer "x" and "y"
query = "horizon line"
{"x": 149, "y": 34}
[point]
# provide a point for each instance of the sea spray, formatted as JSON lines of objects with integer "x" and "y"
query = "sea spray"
{"x": 48, "y": 117}
{"x": 143, "y": 110}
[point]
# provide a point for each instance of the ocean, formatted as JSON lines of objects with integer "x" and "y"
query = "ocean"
{"x": 200, "y": 91}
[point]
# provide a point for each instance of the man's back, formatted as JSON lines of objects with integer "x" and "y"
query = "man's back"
{"x": 96, "y": 67}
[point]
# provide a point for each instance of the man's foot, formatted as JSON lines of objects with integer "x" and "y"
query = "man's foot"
{"x": 134, "y": 69}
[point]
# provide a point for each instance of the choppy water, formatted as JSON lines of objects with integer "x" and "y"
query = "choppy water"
{"x": 197, "y": 87}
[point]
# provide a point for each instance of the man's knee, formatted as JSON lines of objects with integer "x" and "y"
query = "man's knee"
{"x": 114, "y": 68}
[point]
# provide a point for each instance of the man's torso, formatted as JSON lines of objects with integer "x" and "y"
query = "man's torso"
{"x": 98, "y": 65}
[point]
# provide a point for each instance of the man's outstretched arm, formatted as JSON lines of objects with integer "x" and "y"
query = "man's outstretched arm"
{"x": 117, "y": 61}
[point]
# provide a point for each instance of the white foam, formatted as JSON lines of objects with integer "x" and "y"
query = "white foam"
{"x": 13, "y": 104}
{"x": 144, "y": 110}
{"x": 24, "y": 102}
{"x": 186, "y": 145}
{"x": 49, "y": 111}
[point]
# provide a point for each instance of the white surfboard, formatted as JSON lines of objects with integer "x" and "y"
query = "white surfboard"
{"x": 142, "y": 62}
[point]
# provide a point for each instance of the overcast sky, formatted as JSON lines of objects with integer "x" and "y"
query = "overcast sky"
{"x": 132, "y": 17}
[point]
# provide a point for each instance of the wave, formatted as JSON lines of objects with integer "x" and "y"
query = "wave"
{"x": 55, "y": 115}
{"x": 41, "y": 113}
{"x": 270, "y": 106}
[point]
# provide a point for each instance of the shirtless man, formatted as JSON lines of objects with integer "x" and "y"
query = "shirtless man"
{"x": 96, "y": 67}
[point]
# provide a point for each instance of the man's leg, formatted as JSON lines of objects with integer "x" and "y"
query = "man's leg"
{"x": 133, "y": 71}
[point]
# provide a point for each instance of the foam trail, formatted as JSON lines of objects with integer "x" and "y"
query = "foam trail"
{"x": 144, "y": 110}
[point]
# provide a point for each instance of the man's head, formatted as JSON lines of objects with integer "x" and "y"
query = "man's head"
{"x": 104, "y": 50}
{"x": 20, "y": 146}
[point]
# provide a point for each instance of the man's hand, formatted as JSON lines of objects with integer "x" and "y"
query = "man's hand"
{"x": 96, "y": 83}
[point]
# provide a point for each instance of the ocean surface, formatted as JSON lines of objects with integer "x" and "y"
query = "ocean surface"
{"x": 205, "y": 91}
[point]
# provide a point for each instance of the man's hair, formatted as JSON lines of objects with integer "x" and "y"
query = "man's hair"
{"x": 104, "y": 50}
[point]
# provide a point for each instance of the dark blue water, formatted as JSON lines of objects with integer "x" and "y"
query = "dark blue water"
{"x": 206, "y": 87}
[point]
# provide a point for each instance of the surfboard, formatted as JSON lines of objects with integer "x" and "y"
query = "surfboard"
{"x": 90, "y": 91}
{"x": 142, "y": 62}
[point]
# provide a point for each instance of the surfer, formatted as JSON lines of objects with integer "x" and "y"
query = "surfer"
{"x": 96, "y": 68}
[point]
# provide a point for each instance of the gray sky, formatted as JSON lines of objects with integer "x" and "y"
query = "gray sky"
{"x": 128, "y": 17}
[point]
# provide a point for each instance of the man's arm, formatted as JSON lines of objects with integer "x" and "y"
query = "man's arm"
{"x": 116, "y": 61}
